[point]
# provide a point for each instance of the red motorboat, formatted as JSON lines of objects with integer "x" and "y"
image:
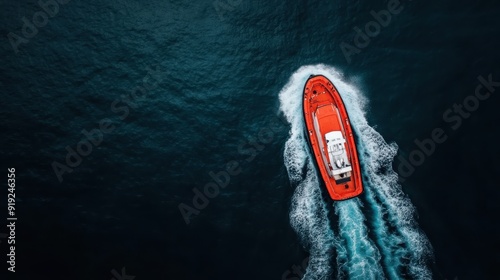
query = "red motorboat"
{"x": 331, "y": 138}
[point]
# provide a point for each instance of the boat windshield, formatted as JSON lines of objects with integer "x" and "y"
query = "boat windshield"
{"x": 337, "y": 154}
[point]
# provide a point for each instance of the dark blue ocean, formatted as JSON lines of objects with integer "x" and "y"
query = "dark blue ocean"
{"x": 164, "y": 139}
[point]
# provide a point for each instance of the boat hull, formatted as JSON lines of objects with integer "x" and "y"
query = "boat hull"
{"x": 331, "y": 139}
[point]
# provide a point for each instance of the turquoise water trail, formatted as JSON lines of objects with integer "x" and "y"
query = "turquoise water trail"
{"x": 363, "y": 258}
